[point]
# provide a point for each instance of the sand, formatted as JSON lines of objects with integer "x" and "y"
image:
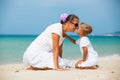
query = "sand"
{"x": 109, "y": 69}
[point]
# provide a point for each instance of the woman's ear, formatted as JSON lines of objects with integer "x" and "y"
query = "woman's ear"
{"x": 68, "y": 23}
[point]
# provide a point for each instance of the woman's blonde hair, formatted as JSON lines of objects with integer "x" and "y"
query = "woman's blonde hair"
{"x": 87, "y": 29}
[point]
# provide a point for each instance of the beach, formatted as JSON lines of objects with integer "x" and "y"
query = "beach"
{"x": 109, "y": 69}
{"x": 12, "y": 48}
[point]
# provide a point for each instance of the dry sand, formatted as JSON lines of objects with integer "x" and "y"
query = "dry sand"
{"x": 109, "y": 69}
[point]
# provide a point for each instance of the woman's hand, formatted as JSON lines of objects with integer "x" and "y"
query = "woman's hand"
{"x": 61, "y": 69}
{"x": 65, "y": 35}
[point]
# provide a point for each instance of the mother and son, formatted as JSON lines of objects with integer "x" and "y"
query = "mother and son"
{"x": 45, "y": 52}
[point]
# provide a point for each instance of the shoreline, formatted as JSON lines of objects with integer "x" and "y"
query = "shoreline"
{"x": 109, "y": 69}
{"x": 100, "y": 57}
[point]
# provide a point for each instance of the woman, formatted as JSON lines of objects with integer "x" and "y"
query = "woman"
{"x": 46, "y": 50}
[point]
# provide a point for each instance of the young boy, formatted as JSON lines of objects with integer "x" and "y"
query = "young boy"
{"x": 89, "y": 55}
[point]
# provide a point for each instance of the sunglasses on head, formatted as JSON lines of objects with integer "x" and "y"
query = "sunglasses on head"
{"x": 76, "y": 25}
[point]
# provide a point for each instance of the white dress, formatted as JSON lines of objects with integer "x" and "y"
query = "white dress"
{"x": 39, "y": 54}
{"x": 92, "y": 58}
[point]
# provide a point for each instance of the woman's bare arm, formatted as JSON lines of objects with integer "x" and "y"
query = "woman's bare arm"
{"x": 55, "y": 41}
{"x": 72, "y": 40}
{"x": 60, "y": 50}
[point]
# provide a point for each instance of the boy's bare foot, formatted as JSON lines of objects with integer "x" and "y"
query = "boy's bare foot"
{"x": 97, "y": 66}
{"x": 92, "y": 67}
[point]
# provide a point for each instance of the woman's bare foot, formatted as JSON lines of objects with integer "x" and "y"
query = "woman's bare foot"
{"x": 29, "y": 68}
{"x": 34, "y": 68}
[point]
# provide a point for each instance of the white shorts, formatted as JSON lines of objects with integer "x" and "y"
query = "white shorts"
{"x": 91, "y": 61}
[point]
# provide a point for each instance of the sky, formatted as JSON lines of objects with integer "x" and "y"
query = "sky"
{"x": 34, "y": 16}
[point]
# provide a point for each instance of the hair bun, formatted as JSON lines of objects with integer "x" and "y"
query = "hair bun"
{"x": 63, "y": 17}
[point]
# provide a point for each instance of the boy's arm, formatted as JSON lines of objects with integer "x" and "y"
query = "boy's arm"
{"x": 85, "y": 53}
{"x": 78, "y": 62}
{"x": 72, "y": 40}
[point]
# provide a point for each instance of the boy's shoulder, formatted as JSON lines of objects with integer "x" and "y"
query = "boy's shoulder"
{"x": 84, "y": 38}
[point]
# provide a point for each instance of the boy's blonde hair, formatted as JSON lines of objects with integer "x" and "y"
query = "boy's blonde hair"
{"x": 87, "y": 29}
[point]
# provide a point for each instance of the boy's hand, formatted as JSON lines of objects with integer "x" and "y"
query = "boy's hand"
{"x": 79, "y": 62}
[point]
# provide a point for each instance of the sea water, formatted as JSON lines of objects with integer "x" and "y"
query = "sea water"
{"x": 12, "y": 47}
